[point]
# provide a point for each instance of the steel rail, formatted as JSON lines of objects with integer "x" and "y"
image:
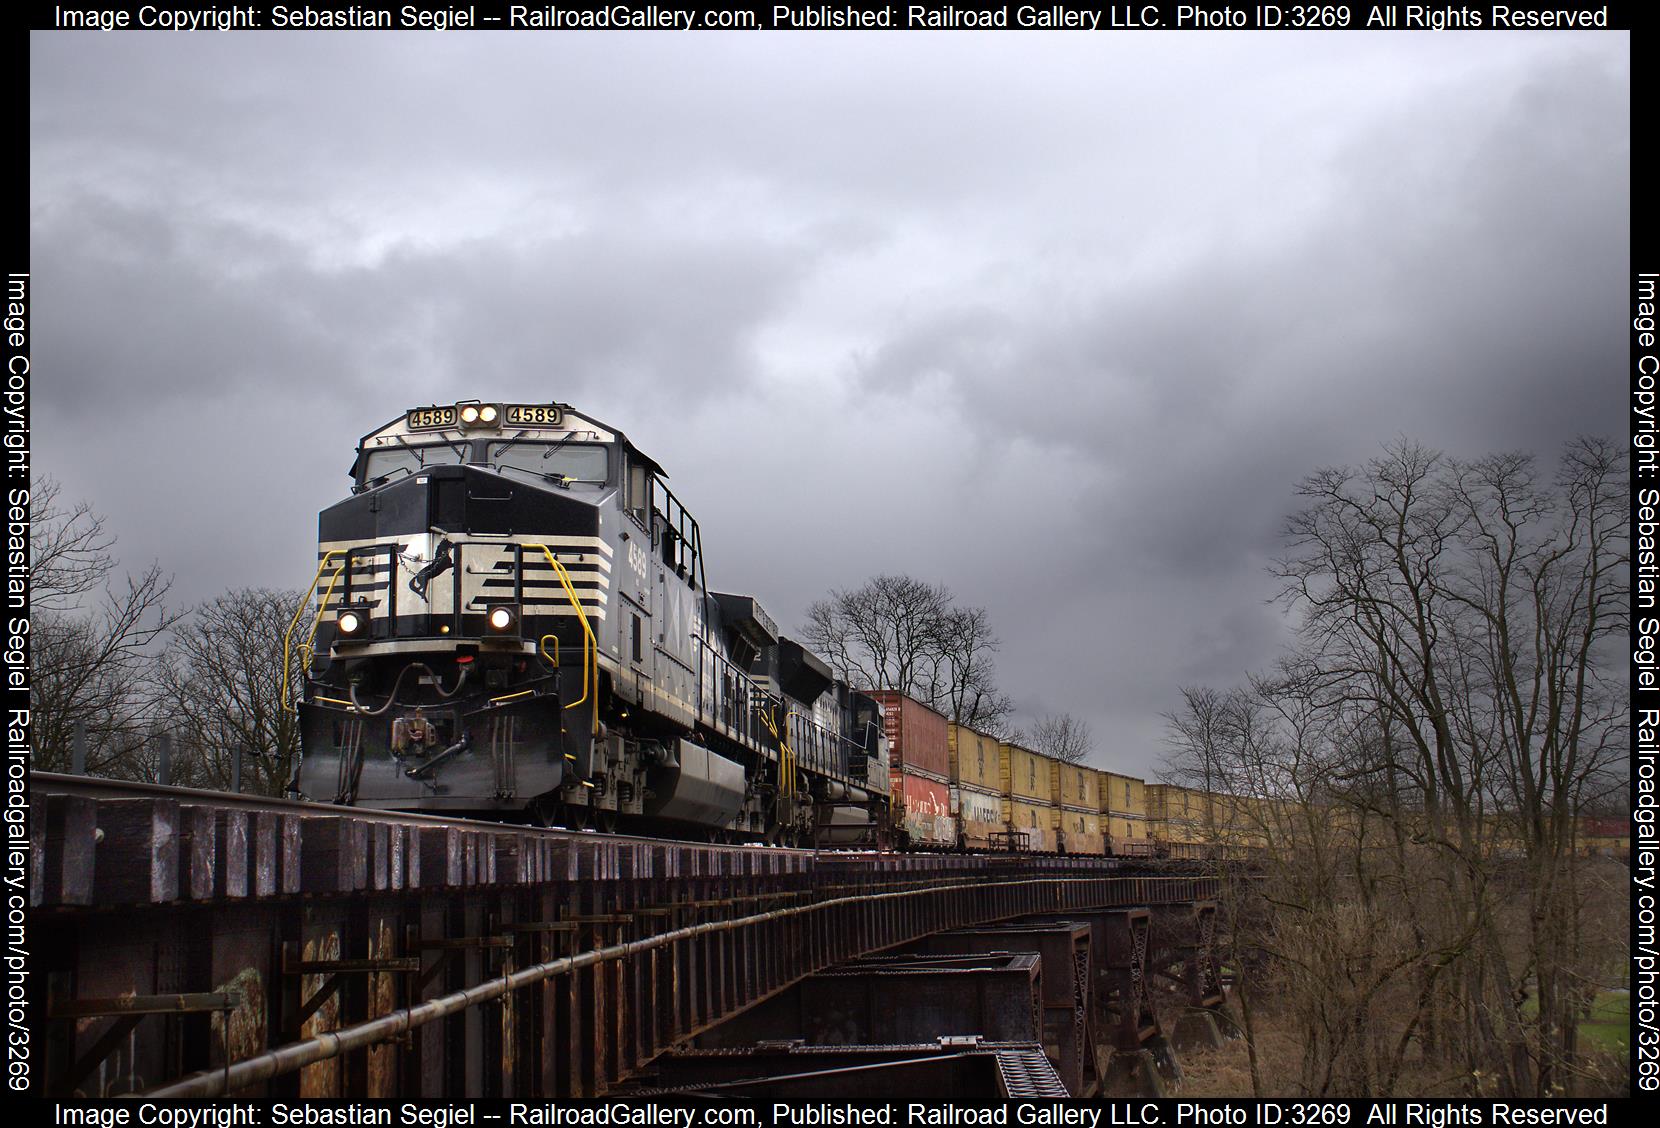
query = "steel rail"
{"x": 99, "y": 787}
{"x": 296, "y": 1055}
{"x": 95, "y": 787}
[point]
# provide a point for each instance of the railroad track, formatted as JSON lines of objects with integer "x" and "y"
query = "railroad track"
{"x": 108, "y": 844}
{"x": 98, "y": 788}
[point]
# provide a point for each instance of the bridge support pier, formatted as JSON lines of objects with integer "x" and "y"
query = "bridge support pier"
{"x": 1165, "y": 1060}
{"x": 1198, "y": 1030}
{"x": 1205, "y": 1026}
{"x": 1132, "y": 1073}
{"x": 1142, "y": 1062}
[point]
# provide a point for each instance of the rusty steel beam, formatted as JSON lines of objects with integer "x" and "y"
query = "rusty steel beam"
{"x": 1064, "y": 947}
{"x": 877, "y": 1000}
{"x": 594, "y": 964}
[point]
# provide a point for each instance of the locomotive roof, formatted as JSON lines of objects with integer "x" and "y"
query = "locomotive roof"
{"x": 443, "y": 421}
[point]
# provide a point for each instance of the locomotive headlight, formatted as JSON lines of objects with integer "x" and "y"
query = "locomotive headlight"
{"x": 478, "y": 414}
{"x": 352, "y": 624}
{"x": 502, "y": 619}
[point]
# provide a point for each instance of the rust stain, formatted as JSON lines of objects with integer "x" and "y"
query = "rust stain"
{"x": 322, "y": 1078}
{"x": 382, "y": 1074}
{"x": 509, "y": 1039}
{"x": 246, "y": 1032}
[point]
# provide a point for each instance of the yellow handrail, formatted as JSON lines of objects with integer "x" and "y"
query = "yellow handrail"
{"x": 308, "y": 648}
{"x": 288, "y": 635}
{"x": 590, "y": 645}
{"x": 786, "y": 755}
{"x": 788, "y": 713}
{"x": 542, "y": 647}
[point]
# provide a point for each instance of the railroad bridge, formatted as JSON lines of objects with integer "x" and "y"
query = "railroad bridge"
{"x": 189, "y": 943}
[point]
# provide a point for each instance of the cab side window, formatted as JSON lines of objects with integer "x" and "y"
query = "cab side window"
{"x": 638, "y": 497}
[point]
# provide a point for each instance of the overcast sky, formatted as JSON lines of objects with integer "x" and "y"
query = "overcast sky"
{"x": 1057, "y": 320}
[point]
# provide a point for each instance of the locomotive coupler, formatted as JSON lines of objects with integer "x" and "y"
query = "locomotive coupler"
{"x": 412, "y": 734}
{"x": 455, "y": 749}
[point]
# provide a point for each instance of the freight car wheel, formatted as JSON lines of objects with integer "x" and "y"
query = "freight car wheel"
{"x": 605, "y": 822}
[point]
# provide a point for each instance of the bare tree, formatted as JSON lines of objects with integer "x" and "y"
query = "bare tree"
{"x": 966, "y": 643}
{"x": 223, "y": 686}
{"x": 1064, "y": 738}
{"x": 897, "y": 632}
{"x": 69, "y": 551}
{"x": 1542, "y": 588}
{"x": 93, "y": 642}
{"x": 1464, "y": 609}
{"x": 1421, "y": 761}
{"x": 1345, "y": 955}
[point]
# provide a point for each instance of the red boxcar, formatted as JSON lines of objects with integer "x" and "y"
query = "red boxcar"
{"x": 918, "y": 737}
{"x": 919, "y": 760}
{"x": 923, "y": 807}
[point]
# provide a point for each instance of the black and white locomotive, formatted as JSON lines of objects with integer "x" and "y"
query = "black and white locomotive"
{"x": 510, "y": 618}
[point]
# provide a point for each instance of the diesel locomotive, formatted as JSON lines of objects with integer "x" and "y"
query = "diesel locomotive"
{"x": 510, "y": 617}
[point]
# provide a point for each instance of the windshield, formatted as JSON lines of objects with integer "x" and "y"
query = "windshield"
{"x": 575, "y": 462}
{"x": 389, "y": 461}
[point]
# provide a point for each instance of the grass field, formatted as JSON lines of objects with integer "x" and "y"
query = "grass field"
{"x": 1608, "y": 1030}
{"x": 1609, "y": 1027}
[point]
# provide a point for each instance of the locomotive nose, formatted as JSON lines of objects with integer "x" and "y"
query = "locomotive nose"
{"x": 432, "y": 554}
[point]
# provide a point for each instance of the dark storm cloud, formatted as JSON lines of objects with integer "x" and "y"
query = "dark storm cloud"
{"x": 1463, "y": 285}
{"x": 115, "y": 341}
{"x": 1058, "y": 321}
{"x": 556, "y": 316}
{"x": 604, "y": 312}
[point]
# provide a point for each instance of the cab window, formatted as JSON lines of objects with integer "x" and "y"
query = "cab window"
{"x": 382, "y": 465}
{"x": 638, "y": 499}
{"x": 568, "y": 463}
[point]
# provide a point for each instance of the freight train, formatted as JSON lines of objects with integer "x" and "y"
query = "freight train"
{"x": 954, "y": 787}
{"x": 510, "y": 618}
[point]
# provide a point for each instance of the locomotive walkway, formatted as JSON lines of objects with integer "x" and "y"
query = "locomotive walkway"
{"x": 189, "y": 943}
